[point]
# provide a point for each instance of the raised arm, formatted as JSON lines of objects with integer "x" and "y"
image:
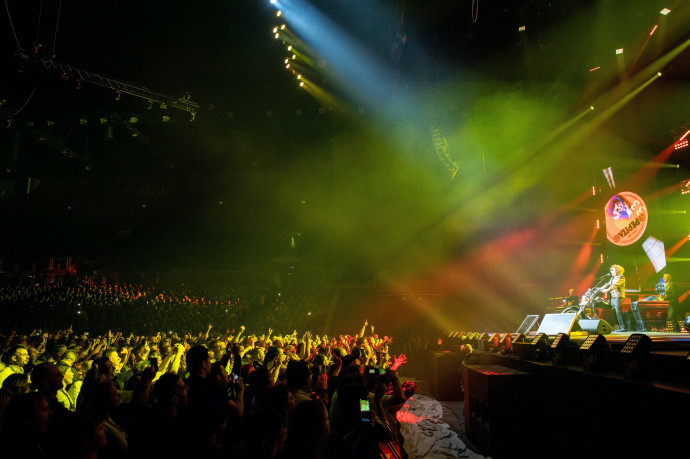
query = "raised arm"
{"x": 364, "y": 328}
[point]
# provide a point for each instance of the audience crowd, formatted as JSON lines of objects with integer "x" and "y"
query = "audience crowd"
{"x": 171, "y": 388}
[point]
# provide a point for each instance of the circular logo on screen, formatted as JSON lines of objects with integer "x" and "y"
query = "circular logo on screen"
{"x": 626, "y": 218}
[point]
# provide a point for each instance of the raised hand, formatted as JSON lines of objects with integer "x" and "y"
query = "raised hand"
{"x": 397, "y": 361}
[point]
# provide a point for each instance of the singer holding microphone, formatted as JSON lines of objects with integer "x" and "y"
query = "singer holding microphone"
{"x": 616, "y": 285}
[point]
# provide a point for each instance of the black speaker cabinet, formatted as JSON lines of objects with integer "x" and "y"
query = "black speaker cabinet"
{"x": 595, "y": 326}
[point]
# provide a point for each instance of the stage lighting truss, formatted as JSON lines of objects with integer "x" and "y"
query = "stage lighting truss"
{"x": 81, "y": 75}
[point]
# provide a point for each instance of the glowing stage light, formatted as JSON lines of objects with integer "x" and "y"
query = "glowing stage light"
{"x": 279, "y": 13}
{"x": 276, "y": 36}
{"x": 287, "y": 66}
{"x": 294, "y": 56}
{"x": 598, "y": 224}
{"x": 522, "y": 28}
{"x": 287, "y": 61}
{"x": 595, "y": 68}
{"x": 275, "y": 29}
{"x": 301, "y": 84}
{"x": 619, "y": 51}
{"x": 653, "y": 30}
{"x": 681, "y": 144}
{"x": 685, "y": 187}
{"x": 299, "y": 77}
{"x": 665, "y": 11}
{"x": 273, "y": 2}
{"x": 289, "y": 48}
{"x": 282, "y": 27}
{"x": 608, "y": 173}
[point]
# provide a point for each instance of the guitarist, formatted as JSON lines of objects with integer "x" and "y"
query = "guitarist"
{"x": 617, "y": 288}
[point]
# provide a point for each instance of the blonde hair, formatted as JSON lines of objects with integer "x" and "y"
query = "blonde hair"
{"x": 619, "y": 269}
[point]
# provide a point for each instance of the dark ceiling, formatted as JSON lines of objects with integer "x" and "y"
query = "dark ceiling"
{"x": 254, "y": 122}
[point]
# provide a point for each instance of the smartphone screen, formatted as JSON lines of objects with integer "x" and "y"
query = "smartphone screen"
{"x": 364, "y": 406}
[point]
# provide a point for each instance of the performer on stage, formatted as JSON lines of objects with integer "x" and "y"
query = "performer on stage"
{"x": 617, "y": 288}
{"x": 671, "y": 295}
{"x": 571, "y": 299}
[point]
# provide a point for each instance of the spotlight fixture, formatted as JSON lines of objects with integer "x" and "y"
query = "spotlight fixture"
{"x": 619, "y": 51}
{"x": 680, "y": 144}
{"x": 279, "y": 13}
{"x": 665, "y": 11}
{"x": 276, "y": 36}
{"x": 559, "y": 348}
{"x": 282, "y": 27}
{"x": 522, "y": 28}
{"x": 635, "y": 353}
{"x": 592, "y": 350}
{"x": 275, "y": 29}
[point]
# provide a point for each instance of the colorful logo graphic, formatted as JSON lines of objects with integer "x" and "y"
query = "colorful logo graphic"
{"x": 626, "y": 218}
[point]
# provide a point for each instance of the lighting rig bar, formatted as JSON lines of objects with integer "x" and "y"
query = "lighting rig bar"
{"x": 81, "y": 75}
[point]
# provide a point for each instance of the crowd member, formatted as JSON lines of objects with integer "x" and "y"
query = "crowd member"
{"x": 24, "y": 426}
{"x": 308, "y": 432}
{"x": 283, "y": 372}
{"x": 14, "y": 360}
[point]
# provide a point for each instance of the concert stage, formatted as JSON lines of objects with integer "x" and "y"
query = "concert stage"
{"x": 576, "y": 393}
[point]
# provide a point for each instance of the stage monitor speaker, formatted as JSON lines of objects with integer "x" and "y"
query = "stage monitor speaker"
{"x": 527, "y": 324}
{"x": 595, "y": 326}
{"x": 553, "y": 324}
